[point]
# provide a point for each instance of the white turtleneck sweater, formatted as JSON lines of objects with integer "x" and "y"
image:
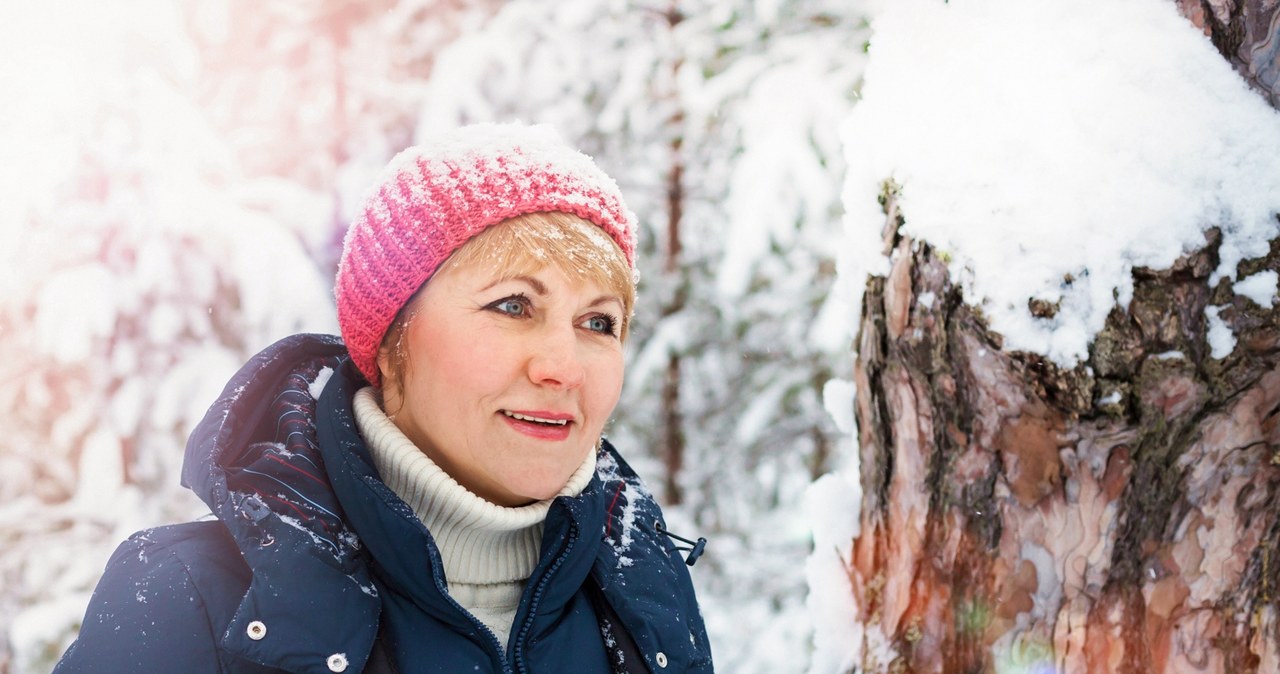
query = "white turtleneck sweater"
{"x": 489, "y": 551}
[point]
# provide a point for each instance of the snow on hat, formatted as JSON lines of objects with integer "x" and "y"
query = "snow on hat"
{"x": 434, "y": 197}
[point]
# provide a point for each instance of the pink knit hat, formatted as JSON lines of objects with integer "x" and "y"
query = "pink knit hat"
{"x": 433, "y": 197}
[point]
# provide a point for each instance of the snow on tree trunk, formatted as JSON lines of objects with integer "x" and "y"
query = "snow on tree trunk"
{"x": 1247, "y": 34}
{"x": 1118, "y": 514}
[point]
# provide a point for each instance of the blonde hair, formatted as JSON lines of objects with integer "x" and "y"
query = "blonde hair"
{"x": 524, "y": 245}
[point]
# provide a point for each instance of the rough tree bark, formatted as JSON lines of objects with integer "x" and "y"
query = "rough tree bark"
{"x": 1121, "y": 516}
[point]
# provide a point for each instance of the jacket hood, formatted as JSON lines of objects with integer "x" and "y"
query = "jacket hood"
{"x": 255, "y": 460}
{"x": 263, "y": 425}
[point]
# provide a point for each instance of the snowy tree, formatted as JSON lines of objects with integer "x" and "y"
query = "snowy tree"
{"x": 1068, "y": 373}
{"x": 754, "y": 340}
{"x": 320, "y": 93}
{"x": 139, "y": 271}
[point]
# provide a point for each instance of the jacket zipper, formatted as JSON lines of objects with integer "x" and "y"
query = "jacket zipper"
{"x": 482, "y": 629}
{"x": 485, "y": 630}
{"x": 518, "y": 651}
{"x": 493, "y": 641}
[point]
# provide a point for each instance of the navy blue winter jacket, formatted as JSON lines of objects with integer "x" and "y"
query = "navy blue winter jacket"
{"x": 314, "y": 565}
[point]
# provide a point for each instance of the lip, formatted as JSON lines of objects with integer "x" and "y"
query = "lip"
{"x": 536, "y": 430}
{"x": 542, "y": 414}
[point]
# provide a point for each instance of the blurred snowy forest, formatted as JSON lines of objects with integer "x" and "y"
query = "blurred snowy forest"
{"x": 177, "y": 177}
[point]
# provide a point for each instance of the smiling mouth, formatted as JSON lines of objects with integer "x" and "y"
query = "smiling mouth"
{"x": 537, "y": 420}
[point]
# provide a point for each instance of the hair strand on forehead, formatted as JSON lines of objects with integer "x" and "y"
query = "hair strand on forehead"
{"x": 576, "y": 247}
{"x": 524, "y": 245}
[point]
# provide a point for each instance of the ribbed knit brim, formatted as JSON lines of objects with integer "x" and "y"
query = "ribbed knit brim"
{"x": 435, "y": 196}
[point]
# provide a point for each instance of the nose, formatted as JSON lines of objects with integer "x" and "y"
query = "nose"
{"x": 555, "y": 361}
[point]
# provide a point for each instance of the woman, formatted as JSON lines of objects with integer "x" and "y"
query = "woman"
{"x": 432, "y": 493}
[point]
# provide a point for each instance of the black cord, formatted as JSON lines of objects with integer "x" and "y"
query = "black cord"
{"x": 695, "y": 548}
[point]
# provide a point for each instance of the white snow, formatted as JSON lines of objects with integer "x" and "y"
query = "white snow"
{"x": 101, "y": 456}
{"x": 607, "y": 470}
{"x": 43, "y": 627}
{"x": 832, "y": 507}
{"x": 1221, "y": 340}
{"x": 316, "y": 387}
{"x": 75, "y": 309}
{"x": 1036, "y": 140}
{"x": 1261, "y": 288}
{"x": 778, "y": 181}
{"x": 1111, "y": 398}
{"x": 837, "y": 399}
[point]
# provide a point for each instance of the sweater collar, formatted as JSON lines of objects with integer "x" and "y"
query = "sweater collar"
{"x": 480, "y": 542}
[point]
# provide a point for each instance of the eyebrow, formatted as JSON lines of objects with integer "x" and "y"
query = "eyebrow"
{"x": 605, "y": 299}
{"x": 540, "y": 288}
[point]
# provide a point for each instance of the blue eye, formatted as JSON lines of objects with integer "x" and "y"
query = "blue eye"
{"x": 516, "y": 305}
{"x": 602, "y": 323}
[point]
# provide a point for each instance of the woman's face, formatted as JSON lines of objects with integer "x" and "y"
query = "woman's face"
{"x": 508, "y": 381}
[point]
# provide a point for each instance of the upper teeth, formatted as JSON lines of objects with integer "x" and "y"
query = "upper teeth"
{"x": 525, "y": 417}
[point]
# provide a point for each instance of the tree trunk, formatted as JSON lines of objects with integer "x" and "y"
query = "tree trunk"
{"x": 673, "y": 446}
{"x": 1121, "y": 516}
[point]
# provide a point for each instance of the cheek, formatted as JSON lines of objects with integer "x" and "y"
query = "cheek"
{"x": 437, "y": 364}
{"x": 466, "y": 364}
{"x": 606, "y": 384}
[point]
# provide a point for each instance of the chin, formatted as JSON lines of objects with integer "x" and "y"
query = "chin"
{"x": 537, "y": 490}
{"x": 539, "y": 494}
